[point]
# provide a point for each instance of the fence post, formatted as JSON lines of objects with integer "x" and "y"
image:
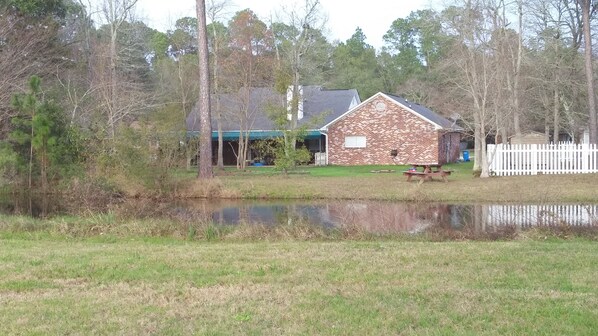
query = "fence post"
{"x": 585, "y": 156}
{"x": 490, "y": 157}
{"x": 534, "y": 163}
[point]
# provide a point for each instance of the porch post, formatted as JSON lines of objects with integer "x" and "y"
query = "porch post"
{"x": 326, "y": 136}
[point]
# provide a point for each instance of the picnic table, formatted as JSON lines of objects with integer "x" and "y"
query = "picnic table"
{"x": 425, "y": 172}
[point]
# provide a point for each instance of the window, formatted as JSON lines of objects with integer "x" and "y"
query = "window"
{"x": 380, "y": 107}
{"x": 355, "y": 141}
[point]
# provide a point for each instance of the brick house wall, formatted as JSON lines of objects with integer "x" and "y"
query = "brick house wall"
{"x": 387, "y": 126}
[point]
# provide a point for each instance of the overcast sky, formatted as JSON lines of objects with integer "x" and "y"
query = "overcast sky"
{"x": 373, "y": 16}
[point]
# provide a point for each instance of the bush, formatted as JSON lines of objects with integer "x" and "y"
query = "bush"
{"x": 9, "y": 165}
{"x": 292, "y": 158}
{"x": 141, "y": 161}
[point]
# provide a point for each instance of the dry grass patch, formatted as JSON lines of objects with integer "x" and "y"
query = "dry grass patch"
{"x": 201, "y": 188}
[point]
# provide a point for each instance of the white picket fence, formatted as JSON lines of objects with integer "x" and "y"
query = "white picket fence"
{"x": 562, "y": 158}
{"x": 532, "y": 215}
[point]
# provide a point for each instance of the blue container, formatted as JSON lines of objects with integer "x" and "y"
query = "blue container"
{"x": 466, "y": 156}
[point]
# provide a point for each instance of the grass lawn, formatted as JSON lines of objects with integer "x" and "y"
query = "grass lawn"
{"x": 358, "y": 182}
{"x": 125, "y": 286}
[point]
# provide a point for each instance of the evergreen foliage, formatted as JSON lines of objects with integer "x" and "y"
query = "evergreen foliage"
{"x": 46, "y": 148}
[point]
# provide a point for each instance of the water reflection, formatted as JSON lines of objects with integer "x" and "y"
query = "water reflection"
{"x": 376, "y": 217}
{"x": 32, "y": 205}
{"x": 394, "y": 217}
{"x": 540, "y": 215}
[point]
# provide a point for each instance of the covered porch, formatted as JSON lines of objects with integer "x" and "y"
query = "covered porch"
{"x": 314, "y": 141}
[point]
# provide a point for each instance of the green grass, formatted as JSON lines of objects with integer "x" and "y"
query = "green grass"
{"x": 360, "y": 183}
{"x": 165, "y": 287}
{"x": 332, "y": 171}
{"x": 354, "y": 171}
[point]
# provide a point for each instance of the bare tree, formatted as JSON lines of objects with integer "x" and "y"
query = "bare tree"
{"x": 115, "y": 13}
{"x": 514, "y": 82}
{"x": 303, "y": 21}
{"x": 476, "y": 74}
{"x": 216, "y": 10}
{"x": 248, "y": 66}
{"x": 205, "y": 145}
{"x": 76, "y": 79}
{"x": 586, "y": 9}
{"x": 26, "y": 48}
{"x": 556, "y": 71}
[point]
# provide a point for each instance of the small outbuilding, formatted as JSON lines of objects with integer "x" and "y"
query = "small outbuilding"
{"x": 531, "y": 138}
{"x": 387, "y": 129}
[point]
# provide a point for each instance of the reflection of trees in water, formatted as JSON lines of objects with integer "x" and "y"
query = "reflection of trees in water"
{"x": 374, "y": 217}
{"x": 380, "y": 217}
{"x": 377, "y": 217}
{"x": 34, "y": 205}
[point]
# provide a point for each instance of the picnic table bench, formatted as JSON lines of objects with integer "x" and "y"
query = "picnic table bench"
{"x": 428, "y": 171}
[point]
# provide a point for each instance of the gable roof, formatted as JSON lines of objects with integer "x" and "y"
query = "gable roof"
{"x": 327, "y": 104}
{"x": 423, "y": 111}
{"x": 419, "y": 110}
{"x": 317, "y": 102}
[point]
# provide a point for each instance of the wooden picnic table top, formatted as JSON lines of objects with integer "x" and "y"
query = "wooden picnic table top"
{"x": 425, "y": 164}
{"x": 429, "y": 170}
{"x": 428, "y": 167}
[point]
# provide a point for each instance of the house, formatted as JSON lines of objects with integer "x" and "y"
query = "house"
{"x": 317, "y": 107}
{"x": 387, "y": 129}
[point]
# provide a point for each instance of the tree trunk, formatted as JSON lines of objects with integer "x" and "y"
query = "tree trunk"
{"x": 556, "y": 115}
{"x": 546, "y": 128}
{"x": 220, "y": 163}
{"x": 294, "y": 114}
{"x": 31, "y": 149}
{"x": 485, "y": 168}
{"x": 205, "y": 132}
{"x": 589, "y": 71}
{"x": 44, "y": 168}
{"x": 244, "y": 130}
{"x": 516, "y": 84}
{"x": 247, "y": 154}
{"x": 220, "y": 160}
{"x": 477, "y": 149}
{"x": 241, "y": 151}
{"x": 113, "y": 84}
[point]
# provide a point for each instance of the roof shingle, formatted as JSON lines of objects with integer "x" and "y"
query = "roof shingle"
{"x": 320, "y": 106}
{"x": 423, "y": 111}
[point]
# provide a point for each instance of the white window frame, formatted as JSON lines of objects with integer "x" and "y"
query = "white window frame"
{"x": 355, "y": 141}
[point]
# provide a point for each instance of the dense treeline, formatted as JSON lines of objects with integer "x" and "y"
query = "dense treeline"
{"x": 93, "y": 96}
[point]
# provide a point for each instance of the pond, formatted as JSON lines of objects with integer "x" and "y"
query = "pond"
{"x": 375, "y": 217}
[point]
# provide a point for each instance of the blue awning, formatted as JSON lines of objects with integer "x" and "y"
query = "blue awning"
{"x": 254, "y": 135}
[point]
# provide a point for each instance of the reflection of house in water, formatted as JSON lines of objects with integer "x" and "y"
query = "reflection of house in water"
{"x": 373, "y": 217}
{"x": 393, "y": 217}
{"x": 386, "y": 217}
